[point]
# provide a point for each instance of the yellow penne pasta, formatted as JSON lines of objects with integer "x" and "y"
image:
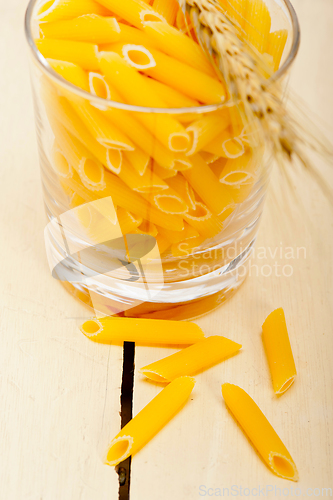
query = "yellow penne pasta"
{"x": 182, "y": 187}
{"x": 206, "y": 129}
{"x": 177, "y": 236}
{"x": 204, "y": 182}
{"x": 258, "y": 24}
{"x": 187, "y": 247}
{"x": 112, "y": 330}
{"x": 208, "y": 157}
{"x": 164, "y": 173}
{"x": 178, "y": 45}
{"x": 142, "y": 138}
{"x": 147, "y": 227}
{"x": 137, "y": 56}
{"x": 55, "y": 10}
{"x": 203, "y": 221}
{"x": 60, "y": 108}
{"x": 150, "y": 420}
{"x": 167, "y": 8}
{"x": 139, "y": 160}
{"x": 260, "y": 432}
{"x": 278, "y": 350}
{"x": 191, "y": 360}
{"x": 87, "y": 28}
{"x": 276, "y": 43}
{"x": 177, "y": 75}
{"x": 226, "y": 145}
{"x": 60, "y": 163}
{"x": 90, "y": 170}
{"x": 149, "y": 182}
{"x": 83, "y": 54}
{"x": 129, "y": 34}
{"x": 127, "y": 221}
{"x": 236, "y": 10}
{"x": 170, "y": 202}
{"x": 98, "y": 85}
{"x": 71, "y": 72}
{"x": 242, "y": 170}
{"x": 134, "y": 88}
{"x": 163, "y": 243}
{"x": 107, "y": 134}
{"x": 136, "y": 12}
{"x": 172, "y": 97}
{"x": 241, "y": 192}
{"x": 123, "y": 196}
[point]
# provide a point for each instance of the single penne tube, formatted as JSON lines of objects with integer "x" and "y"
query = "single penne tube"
{"x": 168, "y": 9}
{"x": 71, "y": 72}
{"x": 150, "y": 420}
{"x": 137, "y": 56}
{"x": 278, "y": 350}
{"x": 176, "y": 44}
{"x": 226, "y": 145}
{"x": 55, "y": 10}
{"x": 203, "y": 221}
{"x": 112, "y": 330}
{"x": 134, "y": 88}
{"x": 182, "y": 187}
{"x": 98, "y": 85}
{"x": 242, "y": 170}
{"x": 260, "y": 432}
{"x": 83, "y": 54}
{"x": 128, "y": 222}
{"x": 191, "y": 360}
{"x": 206, "y": 129}
{"x": 172, "y": 97}
{"x": 104, "y": 131}
{"x": 90, "y": 170}
{"x": 135, "y": 12}
{"x": 176, "y": 74}
{"x": 59, "y": 107}
{"x": 139, "y": 160}
{"x": 149, "y": 182}
{"x": 276, "y": 43}
{"x": 206, "y": 185}
{"x": 170, "y": 202}
{"x": 258, "y": 24}
{"x": 87, "y": 28}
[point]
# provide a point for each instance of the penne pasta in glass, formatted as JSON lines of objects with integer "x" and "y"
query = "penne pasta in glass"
{"x": 114, "y": 330}
{"x": 260, "y": 432}
{"x": 191, "y": 360}
{"x": 150, "y": 420}
{"x": 131, "y": 106}
{"x": 278, "y": 351}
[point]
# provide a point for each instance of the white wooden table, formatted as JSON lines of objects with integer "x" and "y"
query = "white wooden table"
{"x": 60, "y": 393}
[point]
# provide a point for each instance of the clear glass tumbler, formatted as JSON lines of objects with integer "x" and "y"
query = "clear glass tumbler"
{"x": 152, "y": 211}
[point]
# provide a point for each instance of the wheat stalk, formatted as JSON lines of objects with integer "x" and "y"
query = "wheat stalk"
{"x": 245, "y": 71}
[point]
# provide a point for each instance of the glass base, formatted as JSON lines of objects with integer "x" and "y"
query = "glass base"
{"x": 203, "y": 294}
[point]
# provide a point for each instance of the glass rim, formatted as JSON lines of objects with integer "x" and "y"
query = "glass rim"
{"x": 100, "y": 101}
